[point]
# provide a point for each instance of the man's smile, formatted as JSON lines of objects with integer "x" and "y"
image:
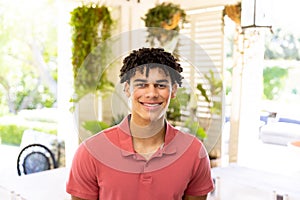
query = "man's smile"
{"x": 151, "y": 105}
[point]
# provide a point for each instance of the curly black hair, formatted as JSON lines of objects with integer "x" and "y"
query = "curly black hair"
{"x": 147, "y": 58}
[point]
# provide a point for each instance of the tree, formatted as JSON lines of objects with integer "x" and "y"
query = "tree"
{"x": 273, "y": 78}
{"x": 28, "y": 54}
{"x": 282, "y": 45}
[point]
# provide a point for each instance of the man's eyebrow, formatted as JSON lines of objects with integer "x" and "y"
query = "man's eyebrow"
{"x": 140, "y": 80}
{"x": 162, "y": 81}
{"x": 157, "y": 81}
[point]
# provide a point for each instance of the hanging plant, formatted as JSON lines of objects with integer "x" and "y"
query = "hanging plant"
{"x": 91, "y": 27}
{"x": 233, "y": 12}
{"x": 169, "y": 17}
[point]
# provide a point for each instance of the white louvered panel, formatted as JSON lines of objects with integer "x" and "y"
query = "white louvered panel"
{"x": 208, "y": 46}
{"x": 210, "y": 34}
{"x": 208, "y": 41}
{"x": 206, "y": 31}
{"x": 206, "y": 28}
{"x": 208, "y": 15}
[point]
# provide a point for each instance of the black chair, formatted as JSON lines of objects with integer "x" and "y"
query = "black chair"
{"x": 35, "y": 158}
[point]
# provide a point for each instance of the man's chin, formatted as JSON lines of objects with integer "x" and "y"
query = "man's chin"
{"x": 153, "y": 117}
{"x": 150, "y": 116}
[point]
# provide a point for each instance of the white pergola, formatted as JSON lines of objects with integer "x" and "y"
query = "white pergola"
{"x": 246, "y": 89}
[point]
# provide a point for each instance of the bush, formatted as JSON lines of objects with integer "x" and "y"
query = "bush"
{"x": 12, "y": 134}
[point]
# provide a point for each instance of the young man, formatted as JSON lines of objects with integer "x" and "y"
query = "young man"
{"x": 144, "y": 157}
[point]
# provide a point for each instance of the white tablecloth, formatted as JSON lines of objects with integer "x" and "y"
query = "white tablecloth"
{"x": 46, "y": 185}
{"x": 236, "y": 183}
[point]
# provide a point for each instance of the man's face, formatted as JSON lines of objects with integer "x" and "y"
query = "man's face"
{"x": 150, "y": 96}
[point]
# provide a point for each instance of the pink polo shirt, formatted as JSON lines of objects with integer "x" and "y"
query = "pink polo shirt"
{"x": 106, "y": 167}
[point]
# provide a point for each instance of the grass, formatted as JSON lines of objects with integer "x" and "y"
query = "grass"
{"x": 12, "y": 134}
{"x": 13, "y": 126}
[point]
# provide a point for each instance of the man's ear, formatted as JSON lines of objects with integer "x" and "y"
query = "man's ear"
{"x": 127, "y": 89}
{"x": 174, "y": 90}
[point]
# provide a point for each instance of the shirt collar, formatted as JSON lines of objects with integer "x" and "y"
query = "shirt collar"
{"x": 125, "y": 140}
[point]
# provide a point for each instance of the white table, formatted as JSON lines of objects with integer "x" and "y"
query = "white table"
{"x": 233, "y": 183}
{"x": 46, "y": 185}
{"x": 236, "y": 183}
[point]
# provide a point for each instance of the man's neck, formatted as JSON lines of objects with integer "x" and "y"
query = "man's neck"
{"x": 148, "y": 138}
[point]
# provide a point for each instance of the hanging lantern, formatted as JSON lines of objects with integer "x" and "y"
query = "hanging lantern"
{"x": 256, "y": 13}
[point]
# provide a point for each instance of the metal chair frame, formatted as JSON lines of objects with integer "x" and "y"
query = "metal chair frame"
{"x": 35, "y": 153}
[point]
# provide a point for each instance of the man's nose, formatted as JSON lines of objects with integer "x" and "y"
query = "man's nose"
{"x": 152, "y": 91}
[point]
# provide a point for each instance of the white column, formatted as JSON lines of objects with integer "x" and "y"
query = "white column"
{"x": 236, "y": 96}
{"x": 67, "y": 129}
{"x": 251, "y": 93}
{"x": 247, "y": 88}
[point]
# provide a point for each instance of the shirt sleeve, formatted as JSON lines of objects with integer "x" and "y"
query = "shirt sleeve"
{"x": 201, "y": 182}
{"x": 82, "y": 181}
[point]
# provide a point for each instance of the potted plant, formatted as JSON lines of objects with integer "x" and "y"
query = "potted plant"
{"x": 91, "y": 25}
{"x": 184, "y": 101}
{"x": 164, "y": 22}
{"x": 95, "y": 126}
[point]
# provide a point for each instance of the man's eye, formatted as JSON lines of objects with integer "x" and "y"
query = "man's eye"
{"x": 161, "y": 86}
{"x": 140, "y": 85}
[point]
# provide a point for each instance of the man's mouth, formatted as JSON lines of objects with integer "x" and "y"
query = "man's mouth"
{"x": 151, "y": 104}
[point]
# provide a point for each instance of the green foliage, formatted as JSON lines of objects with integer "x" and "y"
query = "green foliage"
{"x": 274, "y": 79}
{"x": 116, "y": 120}
{"x": 12, "y": 134}
{"x": 282, "y": 45}
{"x": 89, "y": 52}
{"x": 278, "y": 45}
{"x": 95, "y": 126}
{"x": 166, "y": 16}
{"x": 203, "y": 92}
{"x": 216, "y": 87}
{"x": 19, "y": 78}
{"x": 28, "y": 93}
{"x": 40, "y": 95}
{"x": 163, "y": 13}
{"x": 177, "y": 104}
{"x": 195, "y": 128}
{"x": 180, "y": 103}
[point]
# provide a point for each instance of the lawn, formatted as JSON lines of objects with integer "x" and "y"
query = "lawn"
{"x": 13, "y": 126}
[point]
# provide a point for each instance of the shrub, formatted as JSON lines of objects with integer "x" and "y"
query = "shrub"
{"x": 12, "y": 134}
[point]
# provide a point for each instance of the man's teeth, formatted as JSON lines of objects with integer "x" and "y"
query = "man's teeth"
{"x": 148, "y": 104}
